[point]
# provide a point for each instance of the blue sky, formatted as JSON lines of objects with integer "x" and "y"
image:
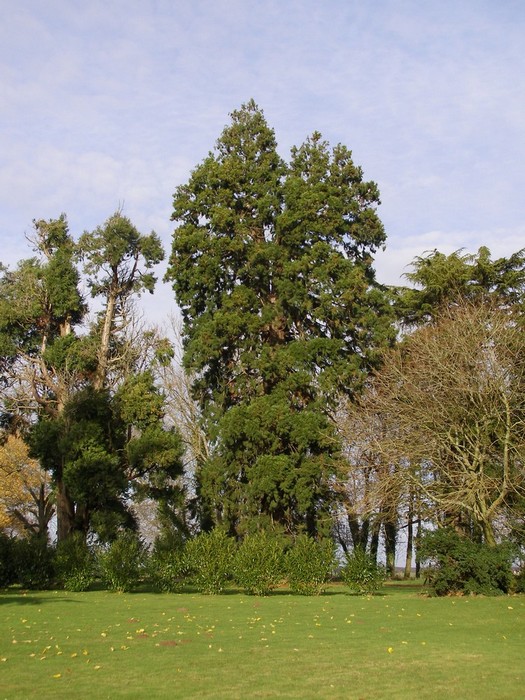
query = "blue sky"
{"x": 108, "y": 104}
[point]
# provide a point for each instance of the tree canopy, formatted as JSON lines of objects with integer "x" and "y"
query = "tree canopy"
{"x": 271, "y": 265}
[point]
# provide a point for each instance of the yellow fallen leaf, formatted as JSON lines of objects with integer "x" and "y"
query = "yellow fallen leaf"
{"x": 57, "y": 675}
{"x": 390, "y": 650}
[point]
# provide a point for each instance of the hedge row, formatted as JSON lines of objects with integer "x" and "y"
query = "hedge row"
{"x": 209, "y": 562}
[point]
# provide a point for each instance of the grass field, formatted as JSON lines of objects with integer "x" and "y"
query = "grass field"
{"x": 395, "y": 645}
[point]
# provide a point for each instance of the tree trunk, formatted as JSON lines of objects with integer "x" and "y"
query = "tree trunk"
{"x": 65, "y": 512}
{"x": 374, "y": 540}
{"x": 410, "y": 547}
{"x": 417, "y": 541}
{"x": 488, "y": 533}
{"x": 359, "y": 532}
{"x": 390, "y": 548}
{"x": 103, "y": 356}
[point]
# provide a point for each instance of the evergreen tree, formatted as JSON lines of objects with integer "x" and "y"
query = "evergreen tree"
{"x": 272, "y": 268}
{"x": 90, "y": 407}
{"x": 442, "y": 280}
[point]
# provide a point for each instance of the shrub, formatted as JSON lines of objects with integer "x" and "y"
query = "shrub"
{"x": 459, "y": 565}
{"x": 34, "y": 563}
{"x": 166, "y": 566}
{"x": 7, "y": 561}
{"x": 309, "y": 565}
{"x": 361, "y": 573}
{"x": 122, "y": 564}
{"x": 75, "y": 563}
{"x": 519, "y": 581}
{"x": 209, "y": 560}
{"x": 258, "y": 563}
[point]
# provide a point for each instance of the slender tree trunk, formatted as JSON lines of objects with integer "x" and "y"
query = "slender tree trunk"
{"x": 359, "y": 532}
{"x": 103, "y": 355}
{"x": 390, "y": 548}
{"x": 374, "y": 540}
{"x": 410, "y": 536}
{"x": 410, "y": 547}
{"x": 417, "y": 541}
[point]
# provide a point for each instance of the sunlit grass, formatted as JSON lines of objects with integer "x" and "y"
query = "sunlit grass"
{"x": 142, "y": 645}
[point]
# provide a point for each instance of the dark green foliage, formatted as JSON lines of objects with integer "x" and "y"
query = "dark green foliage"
{"x": 7, "y": 560}
{"x": 272, "y": 268}
{"x": 166, "y": 567}
{"x": 209, "y": 560}
{"x": 84, "y": 436}
{"x": 309, "y": 565}
{"x": 75, "y": 563}
{"x": 112, "y": 256}
{"x": 459, "y": 565}
{"x": 259, "y": 565}
{"x": 122, "y": 564}
{"x": 34, "y": 563}
{"x": 444, "y": 279}
{"x": 519, "y": 581}
{"x": 109, "y": 447}
{"x": 273, "y": 466}
{"x": 361, "y": 573}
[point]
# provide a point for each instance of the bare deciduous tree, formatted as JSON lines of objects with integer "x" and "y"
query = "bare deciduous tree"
{"x": 451, "y": 401}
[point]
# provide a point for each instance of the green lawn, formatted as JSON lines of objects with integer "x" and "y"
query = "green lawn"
{"x": 143, "y": 645}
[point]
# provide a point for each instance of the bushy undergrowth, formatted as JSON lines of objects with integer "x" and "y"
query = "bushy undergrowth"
{"x": 75, "y": 563}
{"x": 458, "y": 565}
{"x": 361, "y": 573}
{"x": 258, "y": 563}
{"x": 122, "y": 564}
{"x": 7, "y": 562}
{"x": 309, "y": 565}
{"x": 166, "y": 567}
{"x": 34, "y": 563}
{"x": 209, "y": 560}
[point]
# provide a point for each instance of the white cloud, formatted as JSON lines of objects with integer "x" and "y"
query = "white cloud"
{"x": 104, "y": 103}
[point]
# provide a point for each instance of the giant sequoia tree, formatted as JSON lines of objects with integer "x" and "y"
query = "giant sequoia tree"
{"x": 272, "y": 268}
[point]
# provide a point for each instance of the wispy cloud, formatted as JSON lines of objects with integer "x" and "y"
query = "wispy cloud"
{"x": 104, "y": 103}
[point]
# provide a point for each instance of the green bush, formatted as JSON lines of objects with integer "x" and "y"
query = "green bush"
{"x": 166, "y": 566}
{"x": 361, "y": 573}
{"x": 309, "y": 565}
{"x": 459, "y": 565}
{"x": 34, "y": 563}
{"x": 75, "y": 563}
{"x": 258, "y": 563}
{"x": 209, "y": 560}
{"x": 122, "y": 564}
{"x": 7, "y": 561}
{"x": 519, "y": 581}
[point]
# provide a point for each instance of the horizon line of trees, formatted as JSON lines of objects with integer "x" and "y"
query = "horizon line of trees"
{"x": 307, "y": 398}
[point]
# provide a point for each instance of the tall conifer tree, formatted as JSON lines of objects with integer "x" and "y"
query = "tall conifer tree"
{"x": 272, "y": 267}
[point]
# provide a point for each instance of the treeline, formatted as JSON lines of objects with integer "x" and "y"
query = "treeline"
{"x": 309, "y": 399}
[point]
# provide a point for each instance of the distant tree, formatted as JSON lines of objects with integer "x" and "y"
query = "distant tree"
{"x": 441, "y": 279}
{"x": 26, "y": 503}
{"x": 86, "y": 396}
{"x": 118, "y": 261}
{"x": 451, "y": 399}
{"x": 272, "y": 268}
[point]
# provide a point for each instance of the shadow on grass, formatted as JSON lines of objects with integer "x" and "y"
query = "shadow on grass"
{"x": 22, "y": 596}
